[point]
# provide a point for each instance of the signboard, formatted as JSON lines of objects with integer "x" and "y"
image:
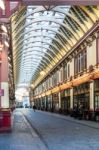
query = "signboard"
{"x": 1, "y": 92}
{"x": 60, "y": 2}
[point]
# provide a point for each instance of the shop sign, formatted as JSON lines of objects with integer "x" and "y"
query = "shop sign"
{"x": 1, "y": 92}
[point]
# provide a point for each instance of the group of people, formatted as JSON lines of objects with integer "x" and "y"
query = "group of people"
{"x": 78, "y": 111}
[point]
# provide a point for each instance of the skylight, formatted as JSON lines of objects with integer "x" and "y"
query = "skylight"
{"x": 38, "y": 37}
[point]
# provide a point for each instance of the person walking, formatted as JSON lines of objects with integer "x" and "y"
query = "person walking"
{"x": 34, "y": 108}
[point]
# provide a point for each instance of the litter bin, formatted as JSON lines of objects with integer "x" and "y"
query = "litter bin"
{"x": 5, "y": 120}
{"x": 1, "y": 119}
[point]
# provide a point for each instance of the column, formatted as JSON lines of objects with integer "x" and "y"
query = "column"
{"x": 71, "y": 98}
{"x": 92, "y": 96}
{"x": 4, "y": 79}
{"x": 59, "y": 99}
{"x": 45, "y": 101}
{"x": 91, "y": 114}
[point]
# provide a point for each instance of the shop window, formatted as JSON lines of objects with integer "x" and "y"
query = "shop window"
{"x": 67, "y": 92}
{"x": 96, "y": 88}
{"x": 80, "y": 62}
{"x": 96, "y": 102}
{"x": 96, "y": 85}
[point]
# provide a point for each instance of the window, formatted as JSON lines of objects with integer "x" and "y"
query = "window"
{"x": 81, "y": 65}
{"x": 61, "y": 74}
{"x": 96, "y": 102}
{"x": 76, "y": 64}
{"x": 80, "y": 62}
{"x": 84, "y": 59}
{"x": 46, "y": 84}
{"x": 49, "y": 83}
{"x": 65, "y": 72}
{"x": 58, "y": 76}
{"x": 96, "y": 84}
{"x": 68, "y": 70}
{"x": 97, "y": 50}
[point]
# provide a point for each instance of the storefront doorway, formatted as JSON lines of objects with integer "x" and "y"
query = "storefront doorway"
{"x": 65, "y": 101}
{"x": 82, "y": 97}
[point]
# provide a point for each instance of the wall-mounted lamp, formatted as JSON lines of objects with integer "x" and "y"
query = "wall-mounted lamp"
{"x": 32, "y": 85}
{"x": 42, "y": 73}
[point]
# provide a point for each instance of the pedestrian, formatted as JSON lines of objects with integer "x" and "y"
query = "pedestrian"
{"x": 75, "y": 111}
{"x": 34, "y": 107}
{"x": 81, "y": 110}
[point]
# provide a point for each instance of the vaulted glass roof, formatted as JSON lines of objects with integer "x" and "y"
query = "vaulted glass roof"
{"x": 42, "y": 35}
{"x": 41, "y": 28}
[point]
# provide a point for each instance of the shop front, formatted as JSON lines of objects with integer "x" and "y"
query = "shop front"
{"x": 37, "y": 103}
{"x": 96, "y": 99}
{"x": 48, "y": 103}
{"x": 43, "y": 103}
{"x": 65, "y": 101}
{"x": 55, "y": 102}
{"x": 81, "y": 98}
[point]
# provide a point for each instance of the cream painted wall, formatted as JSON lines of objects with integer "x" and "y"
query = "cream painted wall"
{"x": 71, "y": 98}
{"x": 91, "y": 54}
{"x": 72, "y": 67}
{"x": 5, "y": 98}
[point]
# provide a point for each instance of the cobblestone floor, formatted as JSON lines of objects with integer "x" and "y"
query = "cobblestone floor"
{"x": 64, "y": 133}
{"x": 22, "y": 137}
{"x": 47, "y": 131}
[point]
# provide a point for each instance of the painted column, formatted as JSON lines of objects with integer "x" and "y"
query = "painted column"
{"x": 71, "y": 98}
{"x": 45, "y": 100}
{"x": 92, "y": 96}
{"x": 59, "y": 100}
{"x": 4, "y": 79}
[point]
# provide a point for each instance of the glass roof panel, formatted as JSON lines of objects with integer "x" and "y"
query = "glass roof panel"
{"x": 38, "y": 37}
{"x": 42, "y": 35}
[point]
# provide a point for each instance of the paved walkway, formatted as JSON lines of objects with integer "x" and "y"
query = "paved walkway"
{"x": 23, "y": 137}
{"x": 63, "y": 132}
{"x": 91, "y": 124}
{"x": 49, "y": 131}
